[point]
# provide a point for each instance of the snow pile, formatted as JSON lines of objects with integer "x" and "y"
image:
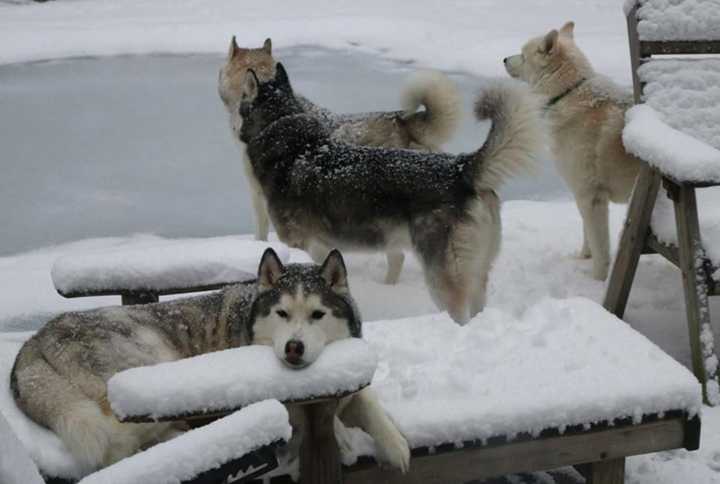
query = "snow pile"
{"x": 673, "y": 152}
{"x": 230, "y": 379}
{"x": 45, "y": 448}
{"x": 687, "y": 93}
{"x": 562, "y": 363}
{"x": 677, "y": 19}
{"x": 201, "y": 449}
{"x": 708, "y": 201}
{"x": 16, "y": 467}
{"x": 163, "y": 265}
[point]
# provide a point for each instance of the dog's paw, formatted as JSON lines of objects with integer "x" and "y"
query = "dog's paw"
{"x": 393, "y": 450}
{"x": 583, "y": 254}
{"x": 600, "y": 271}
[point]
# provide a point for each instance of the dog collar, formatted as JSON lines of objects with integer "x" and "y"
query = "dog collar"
{"x": 556, "y": 99}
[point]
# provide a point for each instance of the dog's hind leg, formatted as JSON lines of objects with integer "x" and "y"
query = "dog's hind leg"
{"x": 594, "y": 212}
{"x": 262, "y": 220}
{"x": 395, "y": 260}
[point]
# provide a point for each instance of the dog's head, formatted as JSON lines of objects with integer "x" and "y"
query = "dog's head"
{"x": 548, "y": 58}
{"x": 239, "y": 60}
{"x": 300, "y": 308}
{"x": 262, "y": 102}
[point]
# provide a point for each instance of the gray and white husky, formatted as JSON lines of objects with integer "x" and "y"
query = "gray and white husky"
{"x": 60, "y": 375}
{"x": 324, "y": 193}
{"x": 410, "y": 128}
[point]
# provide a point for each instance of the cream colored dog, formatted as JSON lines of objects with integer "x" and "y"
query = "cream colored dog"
{"x": 586, "y": 113}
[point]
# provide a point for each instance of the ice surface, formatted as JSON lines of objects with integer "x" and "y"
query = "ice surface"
{"x": 162, "y": 265}
{"x": 237, "y": 377}
{"x": 201, "y": 449}
{"x": 673, "y": 152}
{"x": 677, "y": 19}
{"x": 45, "y": 448}
{"x": 687, "y": 93}
{"x": 16, "y": 467}
{"x": 561, "y": 363}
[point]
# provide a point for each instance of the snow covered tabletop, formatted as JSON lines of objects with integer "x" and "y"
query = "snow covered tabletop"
{"x": 231, "y": 379}
{"x": 162, "y": 266}
{"x": 16, "y": 467}
{"x": 561, "y": 363}
{"x": 203, "y": 449}
{"x": 677, "y": 19}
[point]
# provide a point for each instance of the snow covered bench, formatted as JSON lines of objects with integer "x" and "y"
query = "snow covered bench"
{"x": 675, "y": 130}
{"x": 565, "y": 384}
{"x": 143, "y": 271}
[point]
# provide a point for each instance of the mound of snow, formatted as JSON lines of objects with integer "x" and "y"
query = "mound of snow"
{"x": 677, "y": 19}
{"x": 163, "y": 265}
{"x": 16, "y": 467}
{"x": 201, "y": 449}
{"x": 230, "y": 379}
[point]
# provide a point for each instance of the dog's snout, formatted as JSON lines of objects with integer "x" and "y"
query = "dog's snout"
{"x": 294, "y": 350}
{"x": 505, "y": 60}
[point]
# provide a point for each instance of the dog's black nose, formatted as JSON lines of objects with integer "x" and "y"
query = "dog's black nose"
{"x": 294, "y": 350}
{"x": 505, "y": 60}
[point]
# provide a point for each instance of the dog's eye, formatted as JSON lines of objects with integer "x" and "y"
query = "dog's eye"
{"x": 317, "y": 314}
{"x": 282, "y": 313}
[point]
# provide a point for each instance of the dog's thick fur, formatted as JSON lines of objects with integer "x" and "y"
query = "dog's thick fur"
{"x": 60, "y": 375}
{"x": 586, "y": 113}
{"x": 410, "y": 128}
{"x": 323, "y": 193}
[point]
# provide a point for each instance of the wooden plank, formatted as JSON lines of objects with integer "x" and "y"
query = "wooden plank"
{"x": 490, "y": 460}
{"x": 695, "y": 276}
{"x": 634, "y": 42}
{"x": 632, "y": 240}
{"x": 670, "y": 252}
{"x": 607, "y": 472}
{"x": 319, "y": 453}
{"x": 678, "y": 47}
{"x": 132, "y": 298}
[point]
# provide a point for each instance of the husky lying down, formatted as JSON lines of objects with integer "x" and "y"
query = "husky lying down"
{"x": 424, "y": 130}
{"x": 60, "y": 374}
{"x": 323, "y": 193}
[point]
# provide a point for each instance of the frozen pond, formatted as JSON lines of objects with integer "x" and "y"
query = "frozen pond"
{"x": 111, "y": 146}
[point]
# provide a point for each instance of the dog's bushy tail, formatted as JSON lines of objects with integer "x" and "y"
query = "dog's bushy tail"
{"x": 440, "y": 97}
{"x": 516, "y": 138}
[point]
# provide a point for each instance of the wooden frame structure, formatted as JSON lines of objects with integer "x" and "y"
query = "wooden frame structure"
{"x": 637, "y": 237}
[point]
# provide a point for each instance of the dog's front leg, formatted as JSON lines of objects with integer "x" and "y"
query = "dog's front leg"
{"x": 363, "y": 410}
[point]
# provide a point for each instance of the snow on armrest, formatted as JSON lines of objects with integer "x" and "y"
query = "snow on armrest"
{"x": 162, "y": 265}
{"x": 671, "y": 151}
{"x": 16, "y": 466}
{"x": 660, "y": 20}
{"x": 203, "y": 449}
{"x": 231, "y": 379}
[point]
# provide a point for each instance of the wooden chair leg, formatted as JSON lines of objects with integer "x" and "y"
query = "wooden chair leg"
{"x": 632, "y": 240}
{"x": 319, "y": 452}
{"x": 694, "y": 274}
{"x": 606, "y": 472}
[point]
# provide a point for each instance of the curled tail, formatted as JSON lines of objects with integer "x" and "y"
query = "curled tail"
{"x": 439, "y": 96}
{"x": 516, "y": 138}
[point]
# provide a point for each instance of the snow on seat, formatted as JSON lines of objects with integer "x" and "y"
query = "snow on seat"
{"x": 203, "y": 449}
{"x": 44, "y": 447}
{"x": 162, "y": 266}
{"x": 668, "y": 20}
{"x": 230, "y": 379}
{"x": 562, "y": 363}
{"x": 16, "y": 467}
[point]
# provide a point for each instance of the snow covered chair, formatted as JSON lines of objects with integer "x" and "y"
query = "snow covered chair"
{"x": 143, "y": 271}
{"x": 675, "y": 130}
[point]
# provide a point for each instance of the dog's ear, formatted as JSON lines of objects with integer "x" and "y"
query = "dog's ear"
{"x": 281, "y": 77}
{"x": 233, "y": 50}
{"x": 267, "y": 46}
{"x": 252, "y": 84}
{"x": 270, "y": 270}
{"x": 550, "y": 42}
{"x": 334, "y": 272}
{"x": 568, "y": 30}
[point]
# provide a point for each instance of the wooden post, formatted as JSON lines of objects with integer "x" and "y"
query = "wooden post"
{"x": 632, "y": 240}
{"x": 694, "y": 274}
{"x": 606, "y": 472}
{"x": 634, "y": 42}
{"x": 131, "y": 298}
{"x": 319, "y": 452}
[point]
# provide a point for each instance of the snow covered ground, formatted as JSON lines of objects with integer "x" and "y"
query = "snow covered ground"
{"x": 138, "y": 109}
